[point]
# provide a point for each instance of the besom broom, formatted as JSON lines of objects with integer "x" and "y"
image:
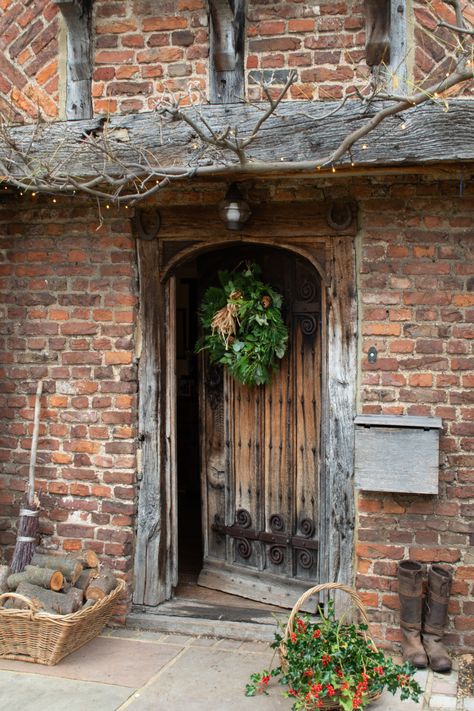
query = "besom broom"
{"x": 29, "y": 512}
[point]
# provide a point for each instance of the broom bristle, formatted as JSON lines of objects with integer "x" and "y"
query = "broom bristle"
{"x": 26, "y": 539}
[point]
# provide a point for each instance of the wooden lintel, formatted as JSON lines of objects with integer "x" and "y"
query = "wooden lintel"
{"x": 77, "y": 16}
{"x": 291, "y": 142}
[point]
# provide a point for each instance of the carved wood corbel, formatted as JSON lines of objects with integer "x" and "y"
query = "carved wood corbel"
{"x": 377, "y": 45}
{"x": 77, "y": 16}
{"x": 227, "y": 23}
{"x": 146, "y": 223}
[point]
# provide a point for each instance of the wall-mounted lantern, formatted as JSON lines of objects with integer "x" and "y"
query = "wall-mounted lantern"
{"x": 233, "y": 210}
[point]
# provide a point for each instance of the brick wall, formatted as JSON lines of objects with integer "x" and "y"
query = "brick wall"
{"x": 142, "y": 48}
{"x": 68, "y": 302}
{"x": 67, "y": 295}
{"x": 29, "y": 58}
{"x": 324, "y": 42}
{"x": 417, "y": 309}
{"x": 431, "y": 60}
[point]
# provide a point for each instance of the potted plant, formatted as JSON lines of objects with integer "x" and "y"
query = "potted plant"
{"x": 328, "y": 663}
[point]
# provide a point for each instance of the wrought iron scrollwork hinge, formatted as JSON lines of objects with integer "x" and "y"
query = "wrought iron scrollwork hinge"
{"x": 276, "y": 538}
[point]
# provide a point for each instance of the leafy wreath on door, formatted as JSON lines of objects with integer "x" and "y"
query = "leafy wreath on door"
{"x": 243, "y": 326}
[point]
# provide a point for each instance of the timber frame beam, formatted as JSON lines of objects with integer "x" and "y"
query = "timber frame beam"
{"x": 291, "y": 141}
{"x": 77, "y": 16}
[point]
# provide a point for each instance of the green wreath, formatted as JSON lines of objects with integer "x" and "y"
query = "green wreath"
{"x": 243, "y": 326}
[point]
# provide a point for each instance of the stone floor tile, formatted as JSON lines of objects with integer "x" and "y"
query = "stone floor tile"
{"x": 442, "y": 701}
{"x": 421, "y": 676}
{"x": 207, "y": 679}
{"x": 469, "y": 703}
{"x": 105, "y": 659}
{"x": 130, "y": 633}
{"x": 446, "y": 686}
{"x": 229, "y": 644}
{"x": 452, "y": 675}
{"x": 259, "y": 647}
{"x": 38, "y": 693}
{"x": 389, "y": 702}
{"x": 180, "y": 639}
{"x": 204, "y": 642}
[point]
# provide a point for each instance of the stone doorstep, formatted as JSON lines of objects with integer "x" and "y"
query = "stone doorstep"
{"x": 244, "y": 631}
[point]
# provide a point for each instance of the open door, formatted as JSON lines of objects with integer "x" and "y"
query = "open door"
{"x": 276, "y": 462}
{"x": 261, "y": 471}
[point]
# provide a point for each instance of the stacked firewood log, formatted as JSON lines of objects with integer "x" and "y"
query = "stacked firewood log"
{"x": 59, "y": 584}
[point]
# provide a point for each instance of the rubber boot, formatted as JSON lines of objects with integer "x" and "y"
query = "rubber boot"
{"x": 436, "y": 613}
{"x": 410, "y": 591}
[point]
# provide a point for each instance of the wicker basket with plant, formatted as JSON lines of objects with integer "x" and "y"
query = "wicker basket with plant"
{"x": 330, "y": 663}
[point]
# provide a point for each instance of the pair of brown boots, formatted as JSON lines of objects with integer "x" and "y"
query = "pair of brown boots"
{"x": 423, "y": 630}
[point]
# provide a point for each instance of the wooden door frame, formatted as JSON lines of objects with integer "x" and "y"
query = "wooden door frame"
{"x": 156, "y": 543}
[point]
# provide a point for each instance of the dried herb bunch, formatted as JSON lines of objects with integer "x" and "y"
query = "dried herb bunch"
{"x": 243, "y": 326}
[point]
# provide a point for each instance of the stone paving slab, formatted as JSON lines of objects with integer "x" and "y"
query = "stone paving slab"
{"x": 204, "y": 679}
{"x": 107, "y": 660}
{"x": 37, "y": 693}
{"x": 127, "y": 670}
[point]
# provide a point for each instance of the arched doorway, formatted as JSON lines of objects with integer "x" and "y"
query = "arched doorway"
{"x": 286, "y": 477}
{"x": 249, "y": 460}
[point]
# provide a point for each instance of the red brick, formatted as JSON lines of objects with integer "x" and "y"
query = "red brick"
{"x": 435, "y": 555}
{"x": 172, "y": 22}
{"x": 373, "y": 550}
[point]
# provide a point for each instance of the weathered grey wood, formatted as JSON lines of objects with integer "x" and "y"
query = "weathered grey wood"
{"x": 399, "y": 54}
{"x": 247, "y": 583}
{"x": 399, "y": 421}
{"x": 251, "y": 631}
{"x": 148, "y": 583}
{"x": 397, "y": 459}
{"x": 272, "y": 441}
{"x": 170, "y": 464}
{"x": 294, "y": 136}
{"x": 77, "y": 15}
{"x": 226, "y": 56}
{"x": 377, "y": 30}
{"x": 339, "y": 417}
{"x": 216, "y": 611}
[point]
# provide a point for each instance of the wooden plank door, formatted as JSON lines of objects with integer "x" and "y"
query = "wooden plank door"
{"x": 261, "y": 456}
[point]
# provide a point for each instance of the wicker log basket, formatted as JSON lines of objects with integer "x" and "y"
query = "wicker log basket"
{"x": 328, "y": 704}
{"x": 34, "y": 636}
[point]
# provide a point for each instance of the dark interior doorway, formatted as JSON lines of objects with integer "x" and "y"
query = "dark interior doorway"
{"x": 188, "y": 453}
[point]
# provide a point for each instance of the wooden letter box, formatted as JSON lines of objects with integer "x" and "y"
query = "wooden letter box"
{"x": 397, "y": 453}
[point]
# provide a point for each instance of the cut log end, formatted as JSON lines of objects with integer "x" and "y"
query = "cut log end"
{"x": 101, "y": 586}
{"x": 88, "y": 559}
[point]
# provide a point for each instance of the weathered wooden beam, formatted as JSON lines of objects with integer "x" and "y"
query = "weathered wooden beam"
{"x": 227, "y": 43}
{"x": 377, "y": 23}
{"x": 292, "y": 141}
{"x": 150, "y": 586}
{"x": 400, "y": 56}
{"x": 77, "y": 15}
{"x": 339, "y": 443}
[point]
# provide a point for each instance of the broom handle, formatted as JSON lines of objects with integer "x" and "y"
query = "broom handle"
{"x": 34, "y": 445}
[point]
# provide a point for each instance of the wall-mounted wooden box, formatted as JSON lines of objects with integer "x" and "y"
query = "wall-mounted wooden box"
{"x": 397, "y": 453}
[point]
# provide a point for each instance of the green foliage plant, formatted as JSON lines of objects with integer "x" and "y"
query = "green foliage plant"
{"x": 328, "y": 664}
{"x": 243, "y": 326}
